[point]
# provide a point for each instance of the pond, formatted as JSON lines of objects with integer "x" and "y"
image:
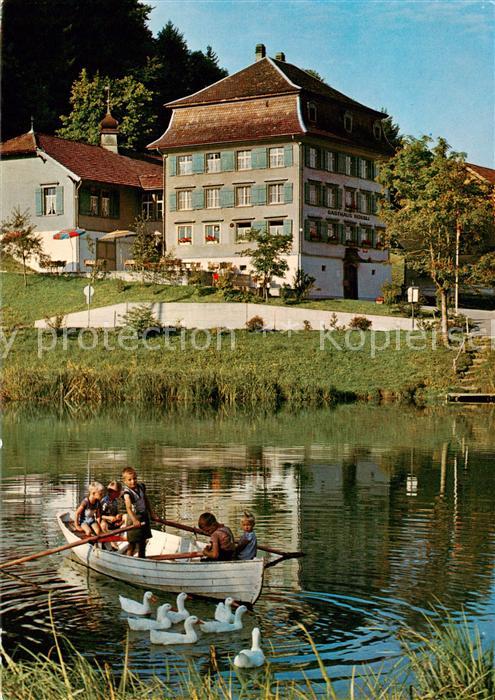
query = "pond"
{"x": 393, "y": 507}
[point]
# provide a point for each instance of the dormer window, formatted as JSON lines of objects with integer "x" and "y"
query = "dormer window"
{"x": 377, "y": 131}
{"x": 312, "y": 112}
{"x": 348, "y": 122}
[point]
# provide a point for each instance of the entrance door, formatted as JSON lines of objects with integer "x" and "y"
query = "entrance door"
{"x": 350, "y": 281}
{"x": 106, "y": 250}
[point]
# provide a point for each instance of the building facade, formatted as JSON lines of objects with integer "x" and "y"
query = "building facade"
{"x": 271, "y": 147}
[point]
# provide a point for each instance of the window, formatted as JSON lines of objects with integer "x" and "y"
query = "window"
{"x": 243, "y": 160}
{"x": 313, "y": 157}
{"x": 184, "y": 233}
{"x": 184, "y": 165}
{"x": 184, "y": 199}
{"x": 93, "y": 204}
{"x": 212, "y": 233}
{"x": 213, "y": 197}
{"x": 152, "y": 206}
{"x": 333, "y": 232}
{"x": 243, "y": 196}
{"x": 348, "y": 122}
{"x": 276, "y": 228}
{"x": 276, "y": 194}
{"x": 105, "y": 203}
{"x": 350, "y": 200}
{"x": 363, "y": 202}
{"x": 313, "y": 231}
{"x": 377, "y": 131}
{"x": 331, "y": 164}
{"x": 312, "y": 112}
{"x": 276, "y": 157}
{"x": 243, "y": 230}
{"x": 313, "y": 193}
{"x": 213, "y": 162}
{"x": 365, "y": 236}
{"x": 323, "y": 268}
{"x": 49, "y": 200}
{"x": 348, "y": 234}
{"x": 332, "y": 197}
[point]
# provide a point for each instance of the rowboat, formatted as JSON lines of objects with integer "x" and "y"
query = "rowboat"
{"x": 241, "y": 580}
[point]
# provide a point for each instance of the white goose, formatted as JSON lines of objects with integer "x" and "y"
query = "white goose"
{"x": 135, "y": 608}
{"x": 216, "y": 626}
{"x": 251, "y": 658}
{"x": 223, "y": 611}
{"x": 162, "y": 621}
{"x": 182, "y": 613}
{"x": 190, "y": 637}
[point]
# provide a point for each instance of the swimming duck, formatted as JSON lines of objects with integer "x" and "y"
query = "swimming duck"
{"x": 182, "y": 613}
{"x": 135, "y": 608}
{"x": 251, "y": 658}
{"x": 216, "y": 626}
{"x": 162, "y": 621}
{"x": 190, "y": 636}
{"x": 223, "y": 611}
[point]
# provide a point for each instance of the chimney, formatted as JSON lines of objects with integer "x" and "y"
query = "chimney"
{"x": 260, "y": 51}
{"x": 280, "y": 56}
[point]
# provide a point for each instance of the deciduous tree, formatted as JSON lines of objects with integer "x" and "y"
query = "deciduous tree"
{"x": 18, "y": 238}
{"x": 267, "y": 258}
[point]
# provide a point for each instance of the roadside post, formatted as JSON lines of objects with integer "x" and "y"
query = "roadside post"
{"x": 412, "y": 298}
{"x": 88, "y": 293}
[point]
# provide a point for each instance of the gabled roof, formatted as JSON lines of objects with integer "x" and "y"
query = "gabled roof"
{"x": 89, "y": 162}
{"x": 266, "y": 77}
{"x": 487, "y": 174}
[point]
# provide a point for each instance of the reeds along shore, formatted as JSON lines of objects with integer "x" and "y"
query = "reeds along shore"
{"x": 447, "y": 662}
{"x": 76, "y": 386}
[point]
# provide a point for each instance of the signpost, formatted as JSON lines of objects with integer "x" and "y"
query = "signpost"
{"x": 88, "y": 293}
{"x": 413, "y": 298}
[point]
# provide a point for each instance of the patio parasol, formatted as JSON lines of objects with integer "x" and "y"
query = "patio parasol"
{"x": 69, "y": 233}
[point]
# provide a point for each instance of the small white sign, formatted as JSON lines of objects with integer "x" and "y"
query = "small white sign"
{"x": 413, "y": 295}
{"x": 88, "y": 292}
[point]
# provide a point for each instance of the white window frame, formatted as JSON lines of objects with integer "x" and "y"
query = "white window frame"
{"x": 212, "y": 230}
{"x": 349, "y": 199}
{"x": 276, "y": 193}
{"x": 49, "y": 200}
{"x": 184, "y": 231}
{"x": 212, "y": 198}
{"x": 276, "y": 157}
{"x": 244, "y": 161}
{"x": 276, "y": 227}
{"x": 94, "y": 204}
{"x": 184, "y": 200}
{"x": 313, "y": 194}
{"x": 313, "y": 157}
{"x": 333, "y": 231}
{"x": 213, "y": 162}
{"x": 184, "y": 165}
{"x": 105, "y": 204}
{"x": 331, "y": 162}
{"x": 243, "y": 196}
{"x": 242, "y": 226}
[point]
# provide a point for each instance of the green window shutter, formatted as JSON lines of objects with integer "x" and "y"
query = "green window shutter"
{"x": 115, "y": 204}
{"x": 319, "y": 159}
{"x": 172, "y": 165}
{"x": 373, "y": 237}
{"x": 288, "y": 227}
{"x": 38, "y": 201}
{"x": 227, "y": 197}
{"x": 319, "y": 194}
{"x": 306, "y": 192}
{"x": 338, "y": 193}
{"x": 306, "y": 230}
{"x": 198, "y": 162}
{"x": 323, "y": 231}
{"x": 198, "y": 199}
{"x": 341, "y": 232}
{"x": 258, "y": 194}
{"x": 354, "y": 166}
{"x": 84, "y": 206}
{"x": 59, "y": 192}
{"x": 341, "y": 163}
{"x": 288, "y": 158}
{"x": 227, "y": 161}
{"x": 259, "y": 226}
{"x": 288, "y": 192}
{"x": 172, "y": 201}
{"x": 258, "y": 158}
{"x": 306, "y": 156}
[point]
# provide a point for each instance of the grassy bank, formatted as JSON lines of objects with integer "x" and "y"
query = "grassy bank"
{"x": 239, "y": 368}
{"x": 447, "y": 663}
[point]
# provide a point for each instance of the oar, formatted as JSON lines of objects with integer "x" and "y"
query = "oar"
{"x": 197, "y": 531}
{"x": 70, "y": 545}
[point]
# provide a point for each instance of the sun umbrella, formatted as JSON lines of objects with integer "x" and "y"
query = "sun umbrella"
{"x": 69, "y": 233}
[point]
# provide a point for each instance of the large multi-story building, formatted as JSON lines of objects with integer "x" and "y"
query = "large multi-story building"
{"x": 273, "y": 147}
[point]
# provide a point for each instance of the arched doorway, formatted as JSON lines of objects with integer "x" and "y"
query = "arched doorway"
{"x": 350, "y": 280}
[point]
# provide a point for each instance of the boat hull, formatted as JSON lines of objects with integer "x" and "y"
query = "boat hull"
{"x": 242, "y": 580}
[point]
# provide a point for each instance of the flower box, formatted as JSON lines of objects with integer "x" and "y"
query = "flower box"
{"x": 187, "y": 239}
{"x": 211, "y": 239}
{"x": 366, "y": 243}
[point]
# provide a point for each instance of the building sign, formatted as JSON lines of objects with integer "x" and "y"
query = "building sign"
{"x": 347, "y": 214}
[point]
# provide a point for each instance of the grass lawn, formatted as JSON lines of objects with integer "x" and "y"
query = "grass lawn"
{"x": 47, "y": 295}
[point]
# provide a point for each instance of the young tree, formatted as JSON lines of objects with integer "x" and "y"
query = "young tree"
{"x": 130, "y": 105}
{"x": 20, "y": 240}
{"x": 267, "y": 258}
{"x": 144, "y": 249}
{"x": 435, "y": 212}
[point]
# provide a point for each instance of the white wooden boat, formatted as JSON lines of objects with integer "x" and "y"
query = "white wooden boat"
{"x": 241, "y": 580}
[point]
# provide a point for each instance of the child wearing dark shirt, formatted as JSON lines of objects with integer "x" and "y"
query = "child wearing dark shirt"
{"x": 221, "y": 546}
{"x": 111, "y": 519}
{"x": 139, "y": 510}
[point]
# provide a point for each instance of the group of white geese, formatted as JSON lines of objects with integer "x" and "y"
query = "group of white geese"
{"x": 225, "y": 621}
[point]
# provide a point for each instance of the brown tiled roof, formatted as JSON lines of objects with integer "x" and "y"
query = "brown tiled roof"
{"x": 486, "y": 173}
{"x": 88, "y": 162}
{"x": 265, "y": 77}
{"x": 232, "y": 122}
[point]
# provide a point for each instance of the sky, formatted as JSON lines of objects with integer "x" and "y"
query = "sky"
{"x": 429, "y": 63}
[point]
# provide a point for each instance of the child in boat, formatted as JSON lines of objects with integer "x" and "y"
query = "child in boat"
{"x": 88, "y": 515}
{"x": 247, "y": 545}
{"x": 139, "y": 511}
{"x": 221, "y": 546}
{"x": 111, "y": 519}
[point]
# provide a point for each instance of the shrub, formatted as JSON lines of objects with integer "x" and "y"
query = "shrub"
{"x": 360, "y": 323}
{"x": 333, "y": 323}
{"x": 392, "y": 293}
{"x": 302, "y": 284}
{"x": 56, "y": 322}
{"x": 140, "y": 319}
{"x": 255, "y": 323}
{"x": 205, "y": 291}
{"x": 307, "y": 325}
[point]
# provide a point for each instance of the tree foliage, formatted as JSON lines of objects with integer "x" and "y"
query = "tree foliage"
{"x": 436, "y": 213}
{"x": 18, "y": 238}
{"x": 267, "y": 258}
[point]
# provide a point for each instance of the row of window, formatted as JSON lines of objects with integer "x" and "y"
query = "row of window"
{"x": 320, "y": 194}
{"x": 94, "y": 201}
{"x": 327, "y": 231}
{"x": 212, "y": 231}
{"x": 224, "y": 161}
{"x": 239, "y": 196}
{"x": 335, "y": 162}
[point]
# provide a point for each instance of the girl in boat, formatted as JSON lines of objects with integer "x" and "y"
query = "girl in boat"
{"x": 139, "y": 510}
{"x": 88, "y": 515}
{"x": 247, "y": 546}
